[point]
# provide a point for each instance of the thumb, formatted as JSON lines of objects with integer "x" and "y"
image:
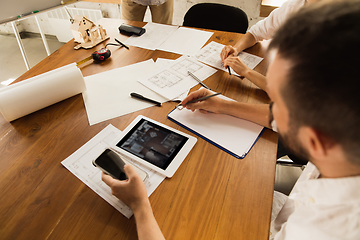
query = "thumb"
{"x": 130, "y": 171}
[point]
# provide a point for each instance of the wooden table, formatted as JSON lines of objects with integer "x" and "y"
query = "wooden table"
{"x": 212, "y": 195}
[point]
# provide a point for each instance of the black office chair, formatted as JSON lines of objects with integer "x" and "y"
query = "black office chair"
{"x": 283, "y": 151}
{"x": 216, "y": 16}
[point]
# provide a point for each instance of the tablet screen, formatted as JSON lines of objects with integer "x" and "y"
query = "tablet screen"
{"x": 153, "y": 143}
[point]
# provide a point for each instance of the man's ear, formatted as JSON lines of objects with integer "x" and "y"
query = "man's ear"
{"x": 317, "y": 143}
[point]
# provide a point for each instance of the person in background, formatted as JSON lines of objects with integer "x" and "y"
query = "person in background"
{"x": 316, "y": 110}
{"x": 161, "y": 10}
{"x": 263, "y": 30}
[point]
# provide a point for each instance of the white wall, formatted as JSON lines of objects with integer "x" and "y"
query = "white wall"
{"x": 251, "y": 7}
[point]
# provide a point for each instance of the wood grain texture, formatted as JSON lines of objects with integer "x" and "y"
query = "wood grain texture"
{"x": 212, "y": 195}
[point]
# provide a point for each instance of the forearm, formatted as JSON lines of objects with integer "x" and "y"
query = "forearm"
{"x": 257, "y": 78}
{"x": 245, "y": 42}
{"x": 146, "y": 224}
{"x": 257, "y": 113}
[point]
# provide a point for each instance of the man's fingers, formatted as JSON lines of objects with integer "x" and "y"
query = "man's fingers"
{"x": 107, "y": 179}
{"x": 130, "y": 171}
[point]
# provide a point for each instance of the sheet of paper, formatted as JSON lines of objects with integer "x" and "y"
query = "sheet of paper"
{"x": 186, "y": 41}
{"x": 80, "y": 164}
{"x": 111, "y": 25}
{"x": 210, "y": 54}
{"x": 154, "y": 36}
{"x": 232, "y": 134}
{"x": 108, "y": 93}
{"x": 173, "y": 80}
{"x": 164, "y": 63}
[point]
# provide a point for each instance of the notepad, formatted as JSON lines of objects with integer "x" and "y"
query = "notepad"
{"x": 234, "y": 135}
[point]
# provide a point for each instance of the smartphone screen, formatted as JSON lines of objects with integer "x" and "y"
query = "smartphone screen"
{"x": 112, "y": 164}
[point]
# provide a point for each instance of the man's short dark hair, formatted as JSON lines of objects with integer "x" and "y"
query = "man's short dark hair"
{"x": 322, "y": 90}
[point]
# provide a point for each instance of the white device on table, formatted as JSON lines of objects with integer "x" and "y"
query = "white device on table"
{"x": 155, "y": 145}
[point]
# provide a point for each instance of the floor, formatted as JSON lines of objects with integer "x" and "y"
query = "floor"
{"x": 11, "y": 62}
{"x": 12, "y": 66}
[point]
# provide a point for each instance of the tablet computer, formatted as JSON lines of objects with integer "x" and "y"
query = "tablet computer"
{"x": 154, "y": 145}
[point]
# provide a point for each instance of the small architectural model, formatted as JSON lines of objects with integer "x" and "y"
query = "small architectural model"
{"x": 87, "y": 33}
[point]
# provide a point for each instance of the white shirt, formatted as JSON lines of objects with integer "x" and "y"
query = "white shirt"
{"x": 149, "y": 2}
{"x": 266, "y": 28}
{"x": 320, "y": 208}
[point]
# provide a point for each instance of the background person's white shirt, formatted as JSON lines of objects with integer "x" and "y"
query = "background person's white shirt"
{"x": 265, "y": 29}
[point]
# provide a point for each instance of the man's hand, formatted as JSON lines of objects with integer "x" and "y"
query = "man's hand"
{"x": 213, "y": 104}
{"x": 132, "y": 191}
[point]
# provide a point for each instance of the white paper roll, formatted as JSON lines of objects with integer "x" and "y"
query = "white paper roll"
{"x": 35, "y": 93}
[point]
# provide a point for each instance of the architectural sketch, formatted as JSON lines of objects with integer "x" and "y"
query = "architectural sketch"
{"x": 210, "y": 54}
{"x": 173, "y": 80}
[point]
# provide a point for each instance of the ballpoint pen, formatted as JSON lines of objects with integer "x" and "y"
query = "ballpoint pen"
{"x": 180, "y": 106}
{"x": 229, "y": 70}
{"x": 122, "y": 44}
{"x": 197, "y": 79}
{"x": 141, "y": 97}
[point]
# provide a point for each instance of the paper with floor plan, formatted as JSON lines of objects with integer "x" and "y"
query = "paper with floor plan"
{"x": 173, "y": 80}
{"x": 154, "y": 36}
{"x": 164, "y": 63}
{"x": 210, "y": 54}
{"x": 80, "y": 164}
{"x": 185, "y": 41}
{"x": 108, "y": 93}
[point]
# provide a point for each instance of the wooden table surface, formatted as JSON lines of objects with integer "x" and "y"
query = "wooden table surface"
{"x": 211, "y": 196}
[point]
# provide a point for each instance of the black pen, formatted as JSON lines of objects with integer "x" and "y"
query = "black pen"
{"x": 141, "y": 97}
{"x": 198, "y": 100}
{"x": 229, "y": 70}
{"x": 122, "y": 44}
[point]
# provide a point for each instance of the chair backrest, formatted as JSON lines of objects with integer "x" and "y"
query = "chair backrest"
{"x": 216, "y": 16}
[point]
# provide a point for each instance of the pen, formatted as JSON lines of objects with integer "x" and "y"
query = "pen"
{"x": 141, "y": 97}
{"x": 197, "y": 100}
{"x": 197, "y": 79}
{"x": 122, "y": 44}
{"x": 229, "y": 70}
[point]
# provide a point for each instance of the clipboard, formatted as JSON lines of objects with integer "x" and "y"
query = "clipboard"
{"x": 233, "y": 135}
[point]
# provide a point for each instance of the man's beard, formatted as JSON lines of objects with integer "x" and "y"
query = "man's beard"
{"x": 292, "y": 143}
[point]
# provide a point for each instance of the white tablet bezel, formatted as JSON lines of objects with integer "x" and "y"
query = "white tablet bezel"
{"x": 175, "y": 163}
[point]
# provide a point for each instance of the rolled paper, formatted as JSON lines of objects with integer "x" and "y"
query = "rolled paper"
{"x": 30, "y": 95}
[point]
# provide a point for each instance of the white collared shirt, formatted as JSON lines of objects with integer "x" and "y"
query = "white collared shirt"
{"x": 320, "y": 208}
{"x": 266, "y": 28}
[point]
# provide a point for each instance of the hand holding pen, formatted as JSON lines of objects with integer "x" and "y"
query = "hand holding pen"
{"x": 204, "y": 100}
{"x": 237, "y": 65}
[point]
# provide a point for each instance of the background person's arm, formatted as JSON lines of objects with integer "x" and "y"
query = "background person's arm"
{"x": 240, "y": 68}
{"x": 245, "y": 42}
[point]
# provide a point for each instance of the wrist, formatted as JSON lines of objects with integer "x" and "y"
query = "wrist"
{"x": 248, "y": 73}
{"x": 141, "y": 206}
{"x": 225, "y": 107}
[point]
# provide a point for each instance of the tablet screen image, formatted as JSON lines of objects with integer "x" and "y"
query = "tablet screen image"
{"x": 152, "y": 143}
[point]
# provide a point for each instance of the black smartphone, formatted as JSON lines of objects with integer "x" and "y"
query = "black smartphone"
{"x": 111, "y": 163}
